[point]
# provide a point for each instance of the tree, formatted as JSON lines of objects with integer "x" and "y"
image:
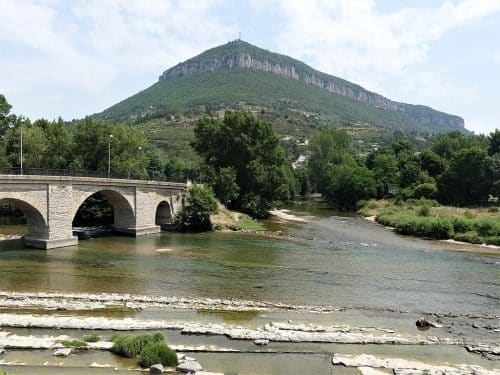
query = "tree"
{"x": 34, "y": 146}
{"x": 303, "y": 180}
{"x": 328, "y": 148}
{"x": 350, "y": 184}
{"x": 5, "y": 118}
{"x": 195, "y": 216}
{"x": 409, "y": 171}
{"x": 385, "y": 168}
{"x": 251, "y": 148}
{"x": 225, "y": 186}
{"x": 494, "y": 139}
{"x": 91, "y": 142}
{"x": 465, "y": 181}
{"x": 59, "y": 144}
{"x": 445, "y": 145}
{"x": 432, "y": 163}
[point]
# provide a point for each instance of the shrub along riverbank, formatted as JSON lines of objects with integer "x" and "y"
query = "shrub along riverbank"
{"x": 425, "y": 218}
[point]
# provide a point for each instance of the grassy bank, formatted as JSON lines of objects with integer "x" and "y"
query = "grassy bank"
{"x": 232, "y": 220}
{"x": 424, "y": 218}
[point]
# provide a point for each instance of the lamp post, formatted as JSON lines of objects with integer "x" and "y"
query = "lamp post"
{"x": 109, "y": 154}
{"x": 21, "y": 150}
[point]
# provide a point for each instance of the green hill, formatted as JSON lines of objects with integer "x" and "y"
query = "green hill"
{"x": 295, "y": 97}
{"x": 239, "y": 72}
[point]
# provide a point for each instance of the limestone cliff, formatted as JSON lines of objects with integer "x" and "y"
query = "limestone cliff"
{"x": 245, "y": 60}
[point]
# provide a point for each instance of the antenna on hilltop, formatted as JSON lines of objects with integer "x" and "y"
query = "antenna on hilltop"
{"x": 239, "y": 35}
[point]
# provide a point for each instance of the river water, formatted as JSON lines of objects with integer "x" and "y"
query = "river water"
{"x": 365, "y": 274}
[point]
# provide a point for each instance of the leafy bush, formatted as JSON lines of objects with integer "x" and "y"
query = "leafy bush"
{"x": 471, "y": 237}
{"x": 157, "y": 352}
{"x": 424, "y": 210}
{"x": 425, "y": 190}
{"x": 488, "y": 226}
{"x": 462, "y": 225}
{"x": 131, "y": 346}
{"x": 195, "y": 216}
{"x": 493, "y": 240}
{"x": 93, "y": 337}
{"x": 408, "y": 223}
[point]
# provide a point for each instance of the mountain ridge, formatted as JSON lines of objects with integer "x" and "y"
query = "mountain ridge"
{"x": 225, "y": 77}
{"x": 242, "y": 55}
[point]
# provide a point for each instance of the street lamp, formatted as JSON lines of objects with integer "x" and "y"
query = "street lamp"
{"x": 109, "y": 154}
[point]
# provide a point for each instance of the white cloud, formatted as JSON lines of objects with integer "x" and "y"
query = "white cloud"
{"x": 353, "y": 38}
{"x": 87, "y": 45}
{"x": 96, "y": 52}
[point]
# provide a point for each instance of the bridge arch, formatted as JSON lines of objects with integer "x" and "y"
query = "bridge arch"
{"x": 35, "y": 220}
{"x": 124, "y": 214}
{"x": 164, "y": 215}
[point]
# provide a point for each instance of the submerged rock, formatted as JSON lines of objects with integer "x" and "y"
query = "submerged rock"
{"x": 156, "y": 369}
{"x": 62, "y": 352}
{"x": 189, "y": 366}
{"x": 2, "y": 351}
{"x": 423, "y": 323}
{"x": 484, "y": 349}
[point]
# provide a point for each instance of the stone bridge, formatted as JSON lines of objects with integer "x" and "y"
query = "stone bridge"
{"x": 50, "y": 204}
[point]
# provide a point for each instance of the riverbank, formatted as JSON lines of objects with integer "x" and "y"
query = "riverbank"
{"x": 227, "y": 220}
{"x": 427, "y": 219}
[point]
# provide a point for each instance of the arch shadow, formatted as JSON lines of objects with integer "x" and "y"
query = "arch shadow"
{"x": 123, "y": 213}
{"x": 164, "y": 217}
{"x": 36, "y": 223}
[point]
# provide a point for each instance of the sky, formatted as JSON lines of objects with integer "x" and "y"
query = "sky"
{"x": 74, "y": 58}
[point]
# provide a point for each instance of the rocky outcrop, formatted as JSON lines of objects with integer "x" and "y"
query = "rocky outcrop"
{"x": 245, "y": 60}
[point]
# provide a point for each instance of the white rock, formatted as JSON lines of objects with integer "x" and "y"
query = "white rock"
{"x": 189, "y": 366}
{"x": 180, "y": 356}
{"x": 370, "y": 371}
{"x": 261, "y": 342}
{"x": 406, "y": 367}
{"x": 63, "y": 352}
{"x": 94, "y": 364}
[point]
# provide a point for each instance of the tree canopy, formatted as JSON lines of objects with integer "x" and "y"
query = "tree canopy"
{"x": 244, "y": 161}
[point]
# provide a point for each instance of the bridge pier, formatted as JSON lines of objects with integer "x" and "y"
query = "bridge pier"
{"x": 39, "y": 243}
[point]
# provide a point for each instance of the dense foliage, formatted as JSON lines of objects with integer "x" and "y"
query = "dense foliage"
{"x": 84, "y": 145}
{"x": 149, "y": 348}
{"x": 131, "y": 346}
{"x": 195, "y": 215}
{"x": 419, "y": 218}
{"x": 457, "y": 169}
{"x": 244, "y": 162}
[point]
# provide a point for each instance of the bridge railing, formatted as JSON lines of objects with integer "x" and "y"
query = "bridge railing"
{"x": 83, "y": 173}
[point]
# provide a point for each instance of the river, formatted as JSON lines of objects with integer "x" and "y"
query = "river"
{"x": 332, "y": 271}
